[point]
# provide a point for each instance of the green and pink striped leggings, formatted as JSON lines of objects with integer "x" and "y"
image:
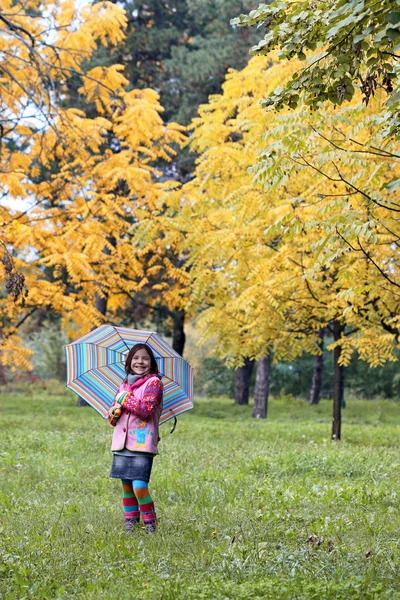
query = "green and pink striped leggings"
{"x": 136, "y": 502}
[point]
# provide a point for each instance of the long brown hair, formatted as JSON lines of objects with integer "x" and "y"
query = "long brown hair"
{"x": 131, "y": 354}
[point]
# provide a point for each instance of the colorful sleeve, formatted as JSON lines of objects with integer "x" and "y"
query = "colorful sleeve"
{"x": 121, "y": 395}
{"x": 151, "y": 398}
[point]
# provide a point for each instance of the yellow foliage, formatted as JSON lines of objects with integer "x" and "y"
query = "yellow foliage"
{"x": 280, "y": 234}
{"x": 83, "y": 195}
{"x": 15, "y": 355}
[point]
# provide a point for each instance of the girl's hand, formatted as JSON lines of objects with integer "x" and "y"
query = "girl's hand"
{"x": 114, "y": 413}
{"x": 115, "y": 410}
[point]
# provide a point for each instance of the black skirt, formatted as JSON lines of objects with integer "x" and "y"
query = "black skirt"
{"x": 133, "y": 466}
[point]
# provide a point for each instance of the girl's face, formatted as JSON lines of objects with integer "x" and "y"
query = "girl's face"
{"x": 141, "y": 362}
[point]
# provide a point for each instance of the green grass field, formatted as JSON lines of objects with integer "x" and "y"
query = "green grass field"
{"x": 247, "y": 509}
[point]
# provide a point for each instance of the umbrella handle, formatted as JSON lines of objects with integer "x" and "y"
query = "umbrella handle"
{"x": 175, "y": 422}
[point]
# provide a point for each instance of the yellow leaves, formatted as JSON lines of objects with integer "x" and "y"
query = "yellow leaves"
{"x": 105, "y": 21}
{"x": 14, "y": 355}
{"x": 102, "y": 85}
{"x": 15, "y": 163}
{"x": 85, "y": 316}
{"x": 18, "y": 233}
{"x": 15, "y": 187}
{"x": 346, "y": 350}
{"x": 29, "y": 71}
{"x": 86, "y": 195}
{"x": 23, "y": 130}
{"x": 259, "y": 238}
{"x": 375, "y": 347}
{"x": 142, "y": 108}
{"x": 66, "y": 13}
{"x": 243, "y": 244}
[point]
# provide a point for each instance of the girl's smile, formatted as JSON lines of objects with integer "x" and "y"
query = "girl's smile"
{"x": 141, "y": 362}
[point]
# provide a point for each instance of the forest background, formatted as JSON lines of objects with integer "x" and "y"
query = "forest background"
{"x": 147, "y": 182}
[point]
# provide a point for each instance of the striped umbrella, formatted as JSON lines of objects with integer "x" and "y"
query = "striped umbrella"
{"x": 96, "y": 368}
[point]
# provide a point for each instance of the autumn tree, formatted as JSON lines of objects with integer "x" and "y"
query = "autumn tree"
{"x": 261, "y": 270}
{"x": 41, "y": 46}
{"x": 183, "y": 50}
{"x": 350, "y": 53}
{"x": 83, "y": 196}
{"x": 358, "y": 44}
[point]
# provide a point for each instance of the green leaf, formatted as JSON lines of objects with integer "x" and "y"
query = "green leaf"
{"x": 350, "y": 20}
{"x": 380, "y": 36}
{"x": 393, "y": 34}
{"x": 363, "y": 34}
{"x": 372, "y": 61}
{"x": 393, "y": 185}
{"x": 393, "y": 18}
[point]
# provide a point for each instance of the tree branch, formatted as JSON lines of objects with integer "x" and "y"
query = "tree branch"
{"x": 364, "y": 193}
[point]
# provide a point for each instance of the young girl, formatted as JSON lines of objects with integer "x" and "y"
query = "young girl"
{"x": 135, "y": 415}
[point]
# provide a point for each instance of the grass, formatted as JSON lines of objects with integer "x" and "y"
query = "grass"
{"x": 247, "y": 509}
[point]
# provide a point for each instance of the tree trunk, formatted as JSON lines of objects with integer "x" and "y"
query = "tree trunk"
{"x": 261, "y": 391}
{"x": 316, "y": 384}
{"x": 242, "y": 382}
{"x": 337, "y": 384}
{"x": 342, "y": 399}
{"x": 81, "y": 402}
{"x": 101, "y": 304}
{"x": 178, "y": 335}
{"x": 3, "y": 376}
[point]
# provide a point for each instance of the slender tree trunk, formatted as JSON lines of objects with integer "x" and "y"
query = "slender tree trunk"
{"x": 337, "y": 384}
{"x": 101, "y": 304}
{"x": 178, "y": 335}
{"x": 101, "y": 301}
{"x": 342, "y": 398}
{"x": 81, "y": 402}
{"x": 242, "y": 382}
{"x": 261, "y": 391}
{"x": 3, "y": 377}
{"x": 316, "y": 384}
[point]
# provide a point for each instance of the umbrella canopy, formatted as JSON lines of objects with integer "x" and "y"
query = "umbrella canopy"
{"x": 96, "y": 368}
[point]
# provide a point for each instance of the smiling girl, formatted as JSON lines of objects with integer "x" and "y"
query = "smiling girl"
{"x": 135, "y": 415}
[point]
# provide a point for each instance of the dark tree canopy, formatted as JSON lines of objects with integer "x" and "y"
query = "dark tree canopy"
{"x": 182, "y": 49}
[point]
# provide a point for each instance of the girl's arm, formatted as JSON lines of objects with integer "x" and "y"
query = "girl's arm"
{"x": 151, "y": 398}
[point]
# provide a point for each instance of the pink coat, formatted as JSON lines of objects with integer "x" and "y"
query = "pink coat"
{"x": 137, "y": 427}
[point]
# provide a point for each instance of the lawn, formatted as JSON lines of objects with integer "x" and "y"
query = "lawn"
{"x": 247, "y": 509}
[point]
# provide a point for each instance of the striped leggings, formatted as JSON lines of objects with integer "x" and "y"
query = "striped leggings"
{"x": 136, "y": 502}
